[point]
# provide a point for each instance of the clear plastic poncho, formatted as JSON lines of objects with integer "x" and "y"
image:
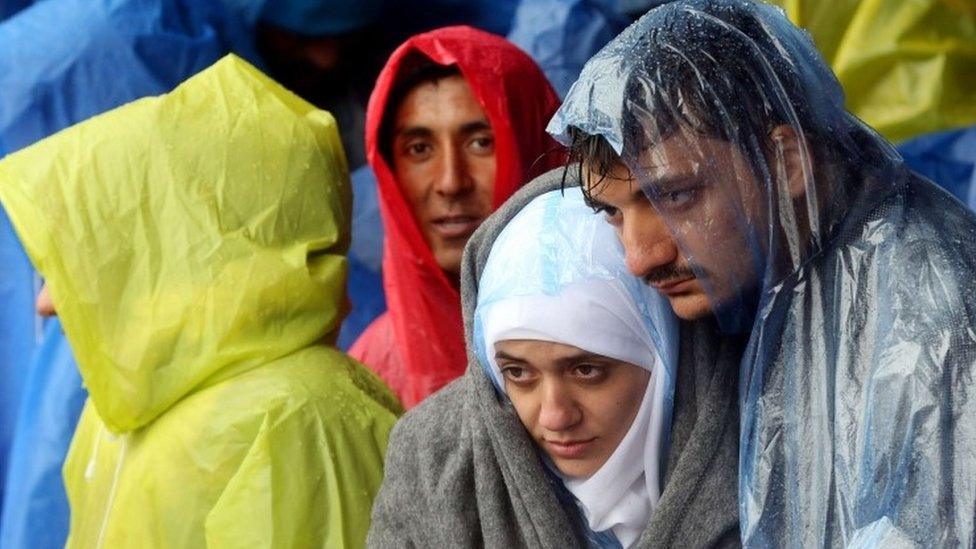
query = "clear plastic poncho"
{"x": 854, "y": 277}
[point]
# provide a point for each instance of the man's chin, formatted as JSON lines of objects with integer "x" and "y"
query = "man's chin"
{"x": 690, "y": 306}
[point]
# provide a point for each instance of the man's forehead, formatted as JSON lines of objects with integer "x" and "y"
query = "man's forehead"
{"x": 445, "y": 104}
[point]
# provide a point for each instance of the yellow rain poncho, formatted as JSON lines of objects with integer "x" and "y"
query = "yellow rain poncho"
{"x": 193, "y": 246}
{"x": 907, "y": 67}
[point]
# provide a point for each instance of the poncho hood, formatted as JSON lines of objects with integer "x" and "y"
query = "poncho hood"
{"x": 150, "y": 224}
{"x": 424, "y": 306}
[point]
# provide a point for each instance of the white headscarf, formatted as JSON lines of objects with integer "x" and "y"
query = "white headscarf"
{"x": 598, "y": 313}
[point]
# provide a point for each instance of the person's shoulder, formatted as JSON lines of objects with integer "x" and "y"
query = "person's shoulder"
{"x": 376, "y": 338}
{"x": 914, "y": 261}
{"x": 316, "y": 381}
{"x": 435, "y": 425}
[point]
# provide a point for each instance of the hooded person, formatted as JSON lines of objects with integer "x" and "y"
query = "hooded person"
{"x": 193, "y": 246}
{"x": 73, "y": 59}
{"x": 557, "y": 434}
{"x": 454, "y": 126}
{"x": 715, "y": 140}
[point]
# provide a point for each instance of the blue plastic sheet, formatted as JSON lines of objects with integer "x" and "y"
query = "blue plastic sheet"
{"x": 63, "y": 61}
{"x": 366, "y": 294}
{"x": 36, "y": 511}
{"x": 947, "y": 158}
{"x": 318, "y": 18}
{"x": 19, "y": 334}
{"x": 562, "y": 35}
{"x": 406, "y": 17}
{"x": 10, "y": 7}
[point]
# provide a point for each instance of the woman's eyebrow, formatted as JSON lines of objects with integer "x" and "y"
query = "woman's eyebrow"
{"x": 577, "y": 357}
{"x": 502, "y": 355}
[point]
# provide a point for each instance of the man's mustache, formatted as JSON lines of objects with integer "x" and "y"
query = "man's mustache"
{"x": 669, "y": 272}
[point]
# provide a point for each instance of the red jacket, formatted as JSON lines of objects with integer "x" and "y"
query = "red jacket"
{"x": 417, "y": 346}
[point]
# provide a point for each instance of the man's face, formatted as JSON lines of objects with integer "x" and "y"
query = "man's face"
{"x": 577, "y": 406}
{"x": 443, "y": 155}
{"x": 704, "y": 210}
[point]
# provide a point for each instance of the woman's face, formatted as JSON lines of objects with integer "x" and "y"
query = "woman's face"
{"x": 576, "y": 405}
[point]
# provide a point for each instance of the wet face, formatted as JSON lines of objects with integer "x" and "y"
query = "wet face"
{"x": 688, "y": 222}
{"x": 443, "y": 156}
{"x": 576, "y": 405}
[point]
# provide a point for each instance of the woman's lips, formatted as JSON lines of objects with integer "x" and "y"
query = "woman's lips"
{"x": 569, "y": 449}
{"x": 455, "y": 226}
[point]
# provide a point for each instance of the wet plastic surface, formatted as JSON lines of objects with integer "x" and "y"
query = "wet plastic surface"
{"x": 855, "y": 278}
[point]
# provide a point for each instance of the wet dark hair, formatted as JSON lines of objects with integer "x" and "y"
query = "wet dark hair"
{"x": 697, "y": 76}
{"x": 416, "y": 70}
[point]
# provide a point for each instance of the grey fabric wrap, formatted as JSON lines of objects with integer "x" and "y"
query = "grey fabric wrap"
{"x": 461, "y": 470}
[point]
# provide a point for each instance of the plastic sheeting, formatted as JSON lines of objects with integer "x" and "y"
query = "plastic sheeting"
{"x": 73, "y": 59}
{"x": 10, "y": 7}
{"x": 20, "y": 332}
{"x": 365, "y": 259}
{"x": 322, "y": 18}
{"x": 854, "y": 277}
{"x": 562, "y": 35}
{"x": 195, "y": 282}
{"x": 947, "y": 158}
{"x": 36, "y": 511}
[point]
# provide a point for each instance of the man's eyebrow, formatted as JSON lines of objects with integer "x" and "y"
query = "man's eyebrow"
{"x": 636, "y": 193}
{"x": 476, "y": 126}
{"x": 412, "y": 131}
{"x": 664, "y": 184}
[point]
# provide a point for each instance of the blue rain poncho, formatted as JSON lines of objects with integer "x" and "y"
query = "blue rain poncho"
{"x": 10, "y": 7}
{"x": 561, "y": 35}
{"x": 948, "y": 158}
{"x": 852, "y": 276}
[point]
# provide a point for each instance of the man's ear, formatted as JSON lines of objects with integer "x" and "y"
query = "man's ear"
{"x": 792, "y": 160}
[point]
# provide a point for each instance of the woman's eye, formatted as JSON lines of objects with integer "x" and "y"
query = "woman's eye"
{"x": 589, "y": 371}
{"x": 515, "y": 373}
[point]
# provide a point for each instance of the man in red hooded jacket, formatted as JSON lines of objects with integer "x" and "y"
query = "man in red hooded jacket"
{"x": 454, "y": 126}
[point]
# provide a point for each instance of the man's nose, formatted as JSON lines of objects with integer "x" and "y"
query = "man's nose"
{"x": 559, "y": 411}
{"x": 453, "y": 177}
{"x": 648, "y": 245}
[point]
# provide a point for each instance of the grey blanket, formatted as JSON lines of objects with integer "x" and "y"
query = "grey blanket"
{"x": 462, "y": 472}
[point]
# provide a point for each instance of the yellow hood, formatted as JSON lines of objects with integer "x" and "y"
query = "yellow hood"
{"x": 151, "y": 224}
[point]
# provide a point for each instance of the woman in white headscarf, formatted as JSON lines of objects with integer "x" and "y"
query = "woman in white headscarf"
{"x": 557, "y": 435}
{"x": 574, "y": 342}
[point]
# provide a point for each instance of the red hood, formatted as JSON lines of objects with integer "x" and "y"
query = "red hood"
{"x": 424, "y": 307}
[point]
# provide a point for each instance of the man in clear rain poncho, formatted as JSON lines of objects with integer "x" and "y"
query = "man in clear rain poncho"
{"x": 714, "y": 138}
